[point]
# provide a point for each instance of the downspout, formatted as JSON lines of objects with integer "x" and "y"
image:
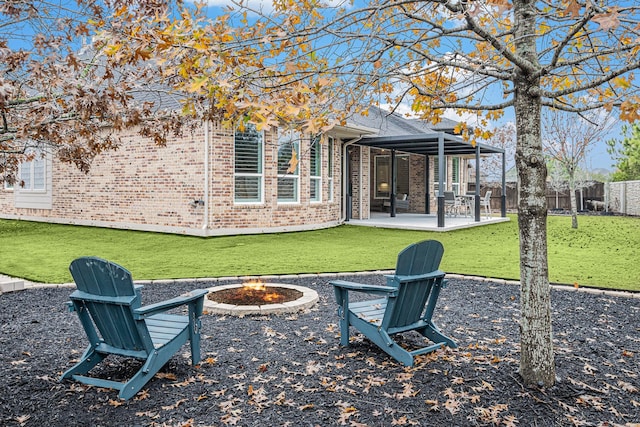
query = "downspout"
{"x": 360, "y": 184}
{"x": 205, "y": 222}
{"x": 345, "y": 177}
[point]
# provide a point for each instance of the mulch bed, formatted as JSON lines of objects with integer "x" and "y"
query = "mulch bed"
{"x": 289, "y": 370}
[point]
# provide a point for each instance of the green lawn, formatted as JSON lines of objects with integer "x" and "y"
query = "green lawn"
{"x": 602, "y": 252}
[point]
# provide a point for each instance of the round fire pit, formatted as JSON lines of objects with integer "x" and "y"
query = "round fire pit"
{"x": 258, "y": 298}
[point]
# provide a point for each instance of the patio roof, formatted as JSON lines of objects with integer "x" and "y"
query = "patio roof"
{"x": 428, "y": 144}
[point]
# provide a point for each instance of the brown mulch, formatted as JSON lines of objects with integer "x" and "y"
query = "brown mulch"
{"x": 289, "y": 370}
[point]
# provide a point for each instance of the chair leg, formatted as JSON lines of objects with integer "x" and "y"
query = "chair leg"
{"x": 89, "y": 359}
{"x": 194, "y": 341}
{"x": 344, "y": 326}
{"x": 433, "y": 333}
{"x": 389, "y": 346}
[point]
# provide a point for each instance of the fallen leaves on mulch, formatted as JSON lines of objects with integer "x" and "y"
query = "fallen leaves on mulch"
{"x": 290, "y": 370}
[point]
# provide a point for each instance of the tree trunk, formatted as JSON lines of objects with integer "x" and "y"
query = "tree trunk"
{"x": 574, "y": 204}
{"x": 537, "y": 366}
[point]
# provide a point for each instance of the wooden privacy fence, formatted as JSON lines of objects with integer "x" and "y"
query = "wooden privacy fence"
{"x": 559, "y": 200}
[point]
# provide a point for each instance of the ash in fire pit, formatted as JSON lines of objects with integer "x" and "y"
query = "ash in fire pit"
{"x": 259, "y": 298}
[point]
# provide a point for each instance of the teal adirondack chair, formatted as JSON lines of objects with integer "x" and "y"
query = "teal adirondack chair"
{"x": 408, "y": 302}
{"x": 110, "y": 311}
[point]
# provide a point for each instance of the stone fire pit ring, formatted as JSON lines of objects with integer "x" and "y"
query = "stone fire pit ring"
{"x": 308, "y": 299}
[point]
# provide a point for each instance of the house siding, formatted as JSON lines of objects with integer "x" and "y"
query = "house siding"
{"x": 145, "y": 187}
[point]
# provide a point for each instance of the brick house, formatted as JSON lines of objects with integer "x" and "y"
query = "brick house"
{"x": 217, "y": 181}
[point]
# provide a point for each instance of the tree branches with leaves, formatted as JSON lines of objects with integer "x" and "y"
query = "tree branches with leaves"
{"x": 626, "y": 153}
{"x": 307, "y": 64}
{"x": 57, "y": 92}
{"x": 567, "y": 139}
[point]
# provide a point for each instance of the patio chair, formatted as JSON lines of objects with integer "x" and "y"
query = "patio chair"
{"x": 451, "y": 203}
{"x": 407, "y": 303}
{"x": 109, "y": 307}
{"x": 486, "y": 203}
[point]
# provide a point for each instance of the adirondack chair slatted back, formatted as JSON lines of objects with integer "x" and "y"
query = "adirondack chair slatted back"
{"x": 113, "y": 297}
{"x": 420, "y": 258}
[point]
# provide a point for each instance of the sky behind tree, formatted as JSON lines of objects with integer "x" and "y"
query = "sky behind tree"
{"x": 598, "y": 157}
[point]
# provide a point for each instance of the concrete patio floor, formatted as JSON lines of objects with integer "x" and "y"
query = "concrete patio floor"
{"x": 426, "y": 222}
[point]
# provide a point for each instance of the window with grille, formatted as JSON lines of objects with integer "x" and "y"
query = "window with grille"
{"x": 288, "y": 167}
{"x": 315, "y": 170}
{"x": 249, "y": 163}
{"x": 32, "y": 175}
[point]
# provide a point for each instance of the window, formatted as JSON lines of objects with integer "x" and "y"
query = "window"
{"x": 330, "y": 168}
{"x": 455, "y": 175}
{"x": 315, "y": 169}
{"x": 8, "y": 185}
{"x": 32, "y": 174}
{"x": 288, "y": 168}
{"x": 436, "y": 175}
{"x": 382, "y": 174}
{"x": 249, "y": 160}
{"x": 402, "y": 175}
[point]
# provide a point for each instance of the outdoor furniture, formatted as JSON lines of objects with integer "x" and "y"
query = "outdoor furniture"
{"x": 466, "y": 202}
{"x": 109, "y": 307}
{"x": 486, "y": 203}
{"x": 407, "y": 303}
{"x": 402, "y": 202}
{"x": 451, "y": 203}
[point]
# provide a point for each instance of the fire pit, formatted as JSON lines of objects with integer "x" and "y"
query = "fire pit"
{"x": 256, "y": 297}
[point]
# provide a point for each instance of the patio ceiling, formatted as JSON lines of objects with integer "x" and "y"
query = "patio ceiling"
{"x": 428, "y": 144}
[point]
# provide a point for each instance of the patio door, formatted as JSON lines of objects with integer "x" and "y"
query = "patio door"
{"x": 382, "y": 176}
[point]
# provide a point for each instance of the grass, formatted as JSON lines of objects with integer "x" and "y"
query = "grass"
{"x": 602, "y": 252}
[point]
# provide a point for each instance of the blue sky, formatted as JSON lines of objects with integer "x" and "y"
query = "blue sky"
{"x": 598, "y": 158}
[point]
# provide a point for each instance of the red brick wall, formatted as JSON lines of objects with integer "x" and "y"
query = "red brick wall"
{"x": 142, "y": 186}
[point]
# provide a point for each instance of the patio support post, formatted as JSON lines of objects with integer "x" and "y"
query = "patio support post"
{"x": 503, "y": 198}
{"x": 392, "y": 202}
{"x": 427, "y": 205}
{"x": 477, "y": 198}
{"x": 441, "y": 169}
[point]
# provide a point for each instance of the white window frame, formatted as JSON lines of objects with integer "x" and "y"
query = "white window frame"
{"x": 435, "y": 176}
{"x": 259, "y": 175}
{"x": 293, "y": 138}
{"x": 28, "y": 186}
{"x": 315, "y": 181}
{"x": 455, "y": 177}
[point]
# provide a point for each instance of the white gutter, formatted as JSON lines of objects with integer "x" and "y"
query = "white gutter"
{"x": 205, "y": 222}
{"x": 345, "y": 176}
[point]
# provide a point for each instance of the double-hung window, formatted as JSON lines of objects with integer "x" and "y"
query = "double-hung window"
{"x": 33, "y": 174}
{"x": 315, "y": 169}
{"x": 288, "y": 167}
{"x": 249, "y": 165}
{"x": 455, "y": 175}
{"x": 436, "y": 175}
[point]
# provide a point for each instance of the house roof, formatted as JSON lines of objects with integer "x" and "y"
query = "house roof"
{"x": 392, "y": 131}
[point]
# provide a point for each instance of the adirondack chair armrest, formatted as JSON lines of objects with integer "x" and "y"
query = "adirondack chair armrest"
{"x": 414, "y": 278}
{"x": 188, "y": 298}
{"x": 362, "y": 287}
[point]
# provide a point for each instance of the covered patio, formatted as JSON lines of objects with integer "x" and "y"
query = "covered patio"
{"x": 439, "y": 145}
{"x": 424, "y": 222}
